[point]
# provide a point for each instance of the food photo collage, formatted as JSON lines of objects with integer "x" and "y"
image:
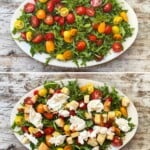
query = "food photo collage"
{"x": 74, "y": 75}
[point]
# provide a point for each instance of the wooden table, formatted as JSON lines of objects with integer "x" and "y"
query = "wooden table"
{"x": 136, "y": 59}
{"x": 135, "y": 86}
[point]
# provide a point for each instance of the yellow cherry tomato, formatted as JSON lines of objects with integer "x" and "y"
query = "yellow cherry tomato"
{"x": 68, "y": 40}
{"x": 43, "y": 1}
{"x": 115, "y": 29}
{"x": 50, "y": 46}
{"x": 64, "y": 11}
{"x": 60, "y": 57}
{"x": 67, "y": 55}
{"x": 19, "y": 24}
{"x": 67, "y": 34}
{"x": 59, "y": 148}
{"x": 117, "y": 36}
{"x": 19, "y": 120}
{"x": 67, "y": 128}
{"x": 101, "y": 27}
{"x": 41, "y": 14}
{"x": 123, "y": 14}
{"x": 29, "y": 36}
{"x": 117, "y": 20}
{"x": 43, "y": 92}
{"x": 73, "y": 32}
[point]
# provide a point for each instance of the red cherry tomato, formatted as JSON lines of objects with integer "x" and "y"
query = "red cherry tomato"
{"x": 81, "y": 45}
{"x": 25, "y": 129}
{"x": 49, "y": 36}
{"x": 96, "y": 94}
{"x": 92, "y": 38}
{"x": 56, "y": 1}
{"x": 95, "y": 26}
{"x": 56, "y": 18}
{"x": 28, "y": 101}
{"x": 48, "y": 130}
{"x": 50, "y": 6}
{"x": 29, "y": 8}
{"x": 90, "y": 12}
{"x": 109, "y": 99}
{"x": 99, "y": 42}
{"x": 80, "y": 10}
{"x": 70, "y": 18}
{"x": 99, "y": 57}
{"x": 48, "y": 115}
{"x": 61, "y": 21}
{"x": 108, "y": 124}
{"x": 58, "y": 91}
{"x": 49, "y": 20}
{"x": 38, "y": 38}
{"x": 38, "y": 134}
{"x": 82, "y": 105}
{"x": 117, "y": 47}
{"x": 23, "y": 35}
{"x": 107, "y": 7}
{"x": 117, "y": 141}
{"x": 108, "y": 29}
{"x": 36, "y": 92}
{"x": 35, "y": 22}
{"x": 72, "y": 113}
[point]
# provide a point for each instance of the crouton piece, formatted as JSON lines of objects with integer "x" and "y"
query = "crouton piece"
{"x": 125, "y": 102}
{"x": 60, "y": 122}
{"x": 111, "y": 115}
{"x": 101, "y": 138}
{"x": 92, "y": 142}
{"x": 69, "y": 140}
{"x": 88, "y": 115}
{"x": 74, "y": 134}
{"x": 86, "y": 98}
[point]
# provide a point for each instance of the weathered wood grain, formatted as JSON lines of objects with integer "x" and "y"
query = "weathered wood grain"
{"x": 136, "y": 59}
{"x": 136, "y": 86}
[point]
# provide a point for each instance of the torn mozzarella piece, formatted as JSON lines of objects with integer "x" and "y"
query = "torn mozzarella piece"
{"x": 56, "y": 102}
{"x": 64, "y": 113}
{"x": 83, "y": 136}
{"x": 77, "y": 123}
{"x": 122, "y": 124}
{"x": 95, "y": 105}
{"x": 31, "y": 138}
{"x": 95, "y": 148}
{"x": 35, "y": 118}
{"x": 57, "y": 140}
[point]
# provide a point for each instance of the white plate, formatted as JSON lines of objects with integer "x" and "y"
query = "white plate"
{"x": 132, "y": 112}
{"x": 69, "y": 64}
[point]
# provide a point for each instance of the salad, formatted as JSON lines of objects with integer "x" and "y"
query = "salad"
{"x": 78, "y": 30}
{"x": 73, "y": 117}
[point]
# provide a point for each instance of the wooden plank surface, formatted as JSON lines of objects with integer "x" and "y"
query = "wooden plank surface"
{"x": 135, "y": 86}
{"x": 136, "y": 59}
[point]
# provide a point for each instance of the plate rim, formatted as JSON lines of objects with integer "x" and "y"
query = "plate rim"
{"x": 80, "y": 82}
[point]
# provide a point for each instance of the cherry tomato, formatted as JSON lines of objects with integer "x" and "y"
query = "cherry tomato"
{"x": 25, "y": 129}
{"x": 81, "y": 45}
{"x": 41, "y": 14}
{"x": 23, "y": 35}
{"x": 56, "y": 18}
{"x": 107, "y": 7}
{"x": 108, "y": 29}
{"x": 117, "y": 141}
{"x": 80, "y": 10}
{"x": 29, "y": 8}
{"x": 96, "y": 94}
{"x": 50, "y": 6}
{"x": 90, "y": 130}
{"x": 98, "y": 57}
{"x": 99, "y": 42}
{"x": 82, "y": 105}
{"x": 48, "y": 115}
{"x": 61, "y": 21}
{"x": 36, "y": 92}
{"x": 109, "y": 99}
{"x": 92, "y": 38}
{"x": 95, "y": 26}
{"x": 70, "y": 18}
{"x": 38, "y": 134}
{"x": 38, "y": 38}
{"x": 28, "y": 101}
{"x": 108, "y": 124}
{"x": 117, "y": 47}
{"x": 58, "y": 91}
{"x": 49, "y": 36}
{"x": 56, "y": 1}
{"x": 72, "y": 113}
{"x": 49, "y": 20}
{"x": 49, "y": 130}
{"x": 35, "y": 22}
{"x": 90, "y": 12}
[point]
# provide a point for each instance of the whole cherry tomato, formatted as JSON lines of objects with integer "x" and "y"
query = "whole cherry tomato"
{"x": 117, "y": 47}
{"x": 90, "y": 12}
{"x": 96, "y": 94}
{"x": 29, "y": 8}
{"x": 81, "y": 45}
{"x": 38, "y": 38}
{"x": 80, "y": 10}
{"x": 107, "y": 7}
{"x": 117, "y": 141}
{"x": 108, "y": 29}
{"x": 49, "y": 36}
{"x": 49, "y": 20}
{"x": 35, "y": 22}
{"x": 92, "y": 38}
{"x": 70, "y": 18}
{"x": 48, "y": 130}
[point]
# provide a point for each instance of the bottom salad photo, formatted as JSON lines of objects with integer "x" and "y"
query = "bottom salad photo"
{"x": 74, "y": 114}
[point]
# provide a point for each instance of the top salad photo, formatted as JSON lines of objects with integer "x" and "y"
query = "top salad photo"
{"x": 74, "y": 34}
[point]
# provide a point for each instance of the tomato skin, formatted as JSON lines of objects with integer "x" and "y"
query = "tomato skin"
{"x": 61, "y": 21}
{"x": 70, "y": 18}
{"x": 117, "y": 47}
{"x": 49, "y": 36}
{"x": 99, "y": 42}
{"x": 38, "y": 134}
{"x": 49, "y": 130}
{"x": 25, "y": 129}
{"x": 108, "y": 29}
{"x": 81, "y": 45}
{"x": 92, "y": 38}
{"x": 117, "y": 141}
{"x": 29, "y": 8}
{"x": 50, "y": 6}
{"x": 90, "y": 12}
{"x": 108, "y": 124}
{"x": 23, "y": 35}
{"x": 49, "y": 20}
{"x": 38, "y": 39}
{"x": 35, "y": 22}
{"x": 107, "y": 7}
{"x": 72, "y": 113}
{"x": 28, "y": 101}
{"x": 55, "y": 1}
{"x": 36, "y": 92}
{"x": 95, "y": 26}
{"x": 80, "y": 10}
{"x": 56, "y": 18}
{"x": 96, "y": 94}
{"x": 48, "y": 115}
{"x": 82, "y": 105}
